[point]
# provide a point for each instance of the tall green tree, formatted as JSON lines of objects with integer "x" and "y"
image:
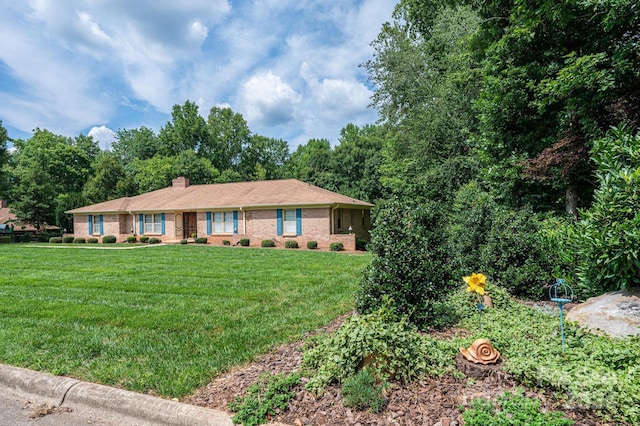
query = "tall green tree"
{"x": 557, "y": 75}
{"x": 199, "y": 170}
{"x": 131, "y": 144}
{"x": 427, "y": 81}
{"x": 311, "y": 163}
{"x": 108, "y": 181}
{"x": 153, "y": 173}
{"x": 263, "y": 158}
{"x": 187, "y": 130}
{"x": 229, "y": 134}
{"x": 44, "y": 167}
{"x": 356, "y": 161}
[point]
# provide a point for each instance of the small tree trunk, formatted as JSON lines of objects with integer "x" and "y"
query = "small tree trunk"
{"x": 571, "y": 202}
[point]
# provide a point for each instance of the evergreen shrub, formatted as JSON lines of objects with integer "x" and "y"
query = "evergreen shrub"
{"x": 201, "y": 240}
{"x": 154, "y": 240}
{"x": 67, "y": 239}
{"x": 26, "y": 237}
{"x": 79, "y": 240}
{"x": 5, "y": 239}
{"x": 291, "y": 244}
{"x": 408, "y": 261}
{"x": 92, "y": 240}
{"x": 607, "y": 238}
{"x": 268, "y": 243}
{"x": 312, "y": 245}
{"x": 144, "y": 239}
{"x": 109, "y": 239}
{"x": 244, "y": 242}
{"x": 226, "y": 242}
{"x": 131, "y": 239}
{"x": 336, "y": 246}
{"x": 55, "y": 240}
{"x": 43, "y": 237}
{"x": 184, "y": 241}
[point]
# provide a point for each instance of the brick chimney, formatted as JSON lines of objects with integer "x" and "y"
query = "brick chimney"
{"x": 3, "y": 204}
{"x": 180, "y": 182}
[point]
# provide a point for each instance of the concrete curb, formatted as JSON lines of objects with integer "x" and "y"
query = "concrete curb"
{"x": 129, "y": 407}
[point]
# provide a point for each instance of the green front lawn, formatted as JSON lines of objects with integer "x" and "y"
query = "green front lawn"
{"x": 162, "y": 319}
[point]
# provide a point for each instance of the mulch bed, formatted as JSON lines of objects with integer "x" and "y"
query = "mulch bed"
{"x": 430, "y": 401}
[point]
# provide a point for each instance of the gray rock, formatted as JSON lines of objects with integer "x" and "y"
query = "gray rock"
{"x": 616, "y": 314}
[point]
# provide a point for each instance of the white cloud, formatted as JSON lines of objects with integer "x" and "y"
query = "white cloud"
{"x": 103, "y": 135}
{"x": 266, "y": 99}
{"x": 80, "y": 62}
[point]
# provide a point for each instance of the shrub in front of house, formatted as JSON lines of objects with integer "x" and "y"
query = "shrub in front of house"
{"x": 292, "y": 244}
{"x": 26, "y": 238}
{"x": 226, "y": 242}
{"x": 79, "y": 240}
{"x": 312, "y": 245}
{"x": 336, "y": 246}
{"x": 68, "y": 239}
{"x": 268, "y": 243}
{"x": 43, "y": 237}
{"x": 154, "y": 240}
{"x": 92, "y": 241}
{"x": 244, "y": 242}
{"x": 201, "y": 240}
{"x": 5, "y": 239}
{"x": 144, "y": 239}
{"x": 55, "y": 240}
{"x": 184, "y": 241}
{"x": 131, "y": 239}
{"x": 361, "y": 244}
{"x": 109, "y": 239}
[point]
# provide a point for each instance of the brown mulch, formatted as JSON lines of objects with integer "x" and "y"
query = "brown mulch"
{"x": 429, "y": 401}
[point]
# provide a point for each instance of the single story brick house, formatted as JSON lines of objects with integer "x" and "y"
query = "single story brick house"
{"x": 278, "y": 209}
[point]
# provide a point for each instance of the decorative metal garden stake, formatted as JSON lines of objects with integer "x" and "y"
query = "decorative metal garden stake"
{"x": 561, "y": 294}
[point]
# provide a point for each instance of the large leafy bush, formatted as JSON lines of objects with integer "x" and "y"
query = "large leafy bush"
{"x": 608, "y": 236}
{"x": 503, "y": 243}
{"x": 408, "y": 263}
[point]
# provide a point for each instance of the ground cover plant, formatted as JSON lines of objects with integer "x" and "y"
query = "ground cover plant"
{"x": 162, "y": 319}
{"x": 595, "y": 373}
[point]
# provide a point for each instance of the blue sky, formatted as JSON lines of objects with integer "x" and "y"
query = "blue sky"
{"x": 290, "y": 67}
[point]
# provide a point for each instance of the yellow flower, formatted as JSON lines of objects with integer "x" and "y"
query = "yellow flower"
{"x": 476, "y": 283}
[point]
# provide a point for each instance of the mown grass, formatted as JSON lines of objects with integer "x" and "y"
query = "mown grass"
{"x": 166, "y": 319}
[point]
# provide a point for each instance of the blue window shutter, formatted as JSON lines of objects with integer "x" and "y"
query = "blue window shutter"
{"x": 208, "y": 223}
{"x": 298, "y": 221}
{"x": 279, "y": 221}
{"x": 101, "y": 225}
{"x": 235, "y": 221}
{"x": 162, "y": 223}
{"x": 90, "y": 224}
{"x": 141, "y": 229}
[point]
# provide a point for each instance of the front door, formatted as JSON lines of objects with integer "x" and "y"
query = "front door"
{"x": 190, "y": 224}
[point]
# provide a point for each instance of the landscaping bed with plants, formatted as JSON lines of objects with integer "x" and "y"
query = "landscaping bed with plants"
{"x": 594, "y": 382}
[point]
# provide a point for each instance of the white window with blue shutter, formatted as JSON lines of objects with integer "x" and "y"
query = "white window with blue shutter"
{"x": 152, "y": 223}
{"x": 96, "y": 224}
{"x": 208, "y": 223}
{"x": 224, "y": 222}
{"x": 290, "y": 222}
